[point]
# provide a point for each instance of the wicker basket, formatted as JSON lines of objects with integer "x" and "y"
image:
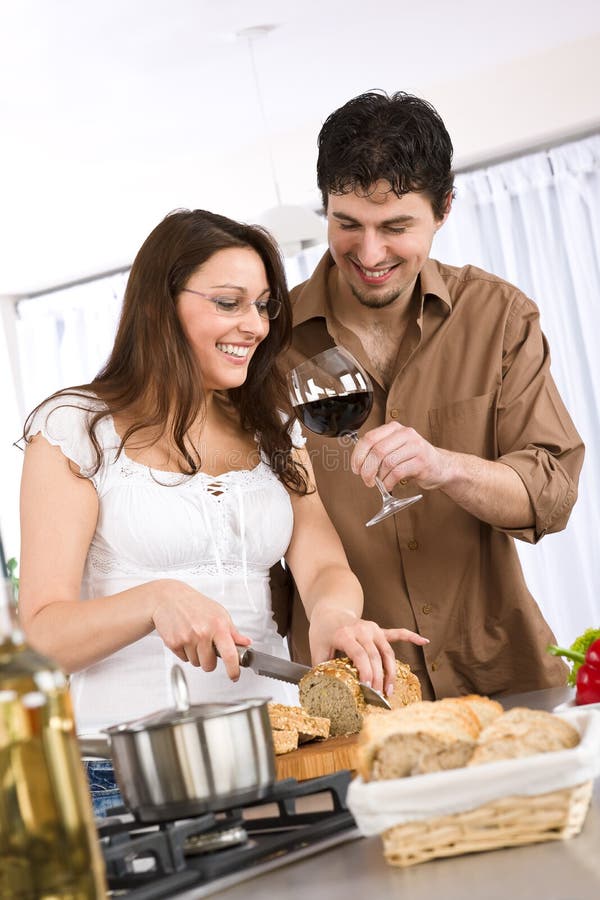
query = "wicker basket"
{"x": 506, "y": 822}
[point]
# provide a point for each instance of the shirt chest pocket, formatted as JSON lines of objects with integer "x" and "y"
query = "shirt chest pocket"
{"x": 466, "y": 426}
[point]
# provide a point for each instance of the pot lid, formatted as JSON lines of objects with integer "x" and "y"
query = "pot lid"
{"x": 197, "y": 713}
{"x": 182, "y": 712}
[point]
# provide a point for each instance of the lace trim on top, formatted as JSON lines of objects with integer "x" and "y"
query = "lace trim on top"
{"x": 216, "y": 485}
{"x": 105, "y": 563}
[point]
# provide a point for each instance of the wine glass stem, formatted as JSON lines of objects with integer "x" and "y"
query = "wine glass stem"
{"x": 385, "y": 494}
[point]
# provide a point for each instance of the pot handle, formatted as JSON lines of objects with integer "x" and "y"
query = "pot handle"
{"x": 179, "y": 689}
{"x": 95, "y": 747}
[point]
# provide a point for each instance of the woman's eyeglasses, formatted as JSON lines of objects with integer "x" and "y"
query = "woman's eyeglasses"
{"x": 269, "y": 308}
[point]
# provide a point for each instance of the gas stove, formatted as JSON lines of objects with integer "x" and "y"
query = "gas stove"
{"x": 205, "y": 854}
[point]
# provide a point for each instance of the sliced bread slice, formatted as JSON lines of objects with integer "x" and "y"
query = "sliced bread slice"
{"x": 294, "y": 718}
{"x": 285, "y": 741}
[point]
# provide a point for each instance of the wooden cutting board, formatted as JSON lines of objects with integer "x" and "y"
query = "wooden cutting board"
{"x": 318, "y": 758}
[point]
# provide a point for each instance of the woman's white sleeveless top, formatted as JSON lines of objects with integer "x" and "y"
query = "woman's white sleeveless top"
{"x": 219, "y": 534}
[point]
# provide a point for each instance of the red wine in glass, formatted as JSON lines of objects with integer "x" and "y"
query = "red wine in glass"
{"x": 333, "y": 395}
{"x": 337, "y": 415}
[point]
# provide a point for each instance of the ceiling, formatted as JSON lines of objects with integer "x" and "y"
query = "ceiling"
{"x": 114, "y": 113}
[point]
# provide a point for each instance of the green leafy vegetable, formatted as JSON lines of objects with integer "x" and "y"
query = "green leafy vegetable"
{"x": 577, "y": 649}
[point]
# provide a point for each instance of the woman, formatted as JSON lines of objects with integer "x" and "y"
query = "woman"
{"x": 162, "y": 492}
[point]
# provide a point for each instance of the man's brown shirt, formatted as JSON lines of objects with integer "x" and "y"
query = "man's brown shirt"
{"x": 472, "y": 375}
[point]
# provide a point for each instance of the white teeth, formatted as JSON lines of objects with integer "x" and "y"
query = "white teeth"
{"x": 375, "y": 273}
{"x": 234, "y": 349}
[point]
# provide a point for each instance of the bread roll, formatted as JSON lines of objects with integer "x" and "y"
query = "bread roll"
{"x": 423, "y": 737}
{"x": 484, "y": 709}
{"x": 523, "y": 732}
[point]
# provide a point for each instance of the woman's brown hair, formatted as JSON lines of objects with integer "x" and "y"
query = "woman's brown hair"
{"x": 151, "y": 373}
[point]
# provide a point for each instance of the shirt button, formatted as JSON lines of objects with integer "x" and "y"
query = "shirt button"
{"x": 404, "y": 481}
{"x": 434, "y": 667}
{"x": 426, "y": 609}
{"x": 412, "y": 545}
{"x": 394, "y": 413}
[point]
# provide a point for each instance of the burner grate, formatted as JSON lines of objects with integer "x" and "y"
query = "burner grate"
{"x": 151, "y": 862}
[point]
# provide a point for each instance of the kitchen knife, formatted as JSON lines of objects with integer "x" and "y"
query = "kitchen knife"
{"x": 284, "y": 670}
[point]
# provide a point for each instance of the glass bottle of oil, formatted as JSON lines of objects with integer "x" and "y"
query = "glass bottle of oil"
{"x": 49, "y": 849}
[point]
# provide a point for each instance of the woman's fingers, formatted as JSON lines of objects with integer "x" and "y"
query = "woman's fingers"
{"x": 388, "y": 658}
{"x": 368, "y": 646}
{"x": 190, "y": 650}
{"x": 403, "y": 634}
{"x": 367, "y": 660}
{"x": 226, "y": 641}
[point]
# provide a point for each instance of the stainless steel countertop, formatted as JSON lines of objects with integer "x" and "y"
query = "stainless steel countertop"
{"x": 555, "y": 870}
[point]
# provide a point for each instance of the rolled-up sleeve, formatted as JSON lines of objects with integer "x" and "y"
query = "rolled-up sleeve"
{"x": 535, "y": 434}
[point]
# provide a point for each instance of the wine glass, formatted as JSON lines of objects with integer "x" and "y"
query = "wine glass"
{"x": 333, "y": 395}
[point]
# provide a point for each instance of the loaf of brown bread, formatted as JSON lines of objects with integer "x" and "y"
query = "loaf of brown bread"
{"x": 331, "y": 689}
{"x": 294, "y": 718}
{"x": 423, "y": 737}
{"x": 523, "y": 732}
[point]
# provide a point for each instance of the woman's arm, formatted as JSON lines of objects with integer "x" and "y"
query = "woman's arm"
{"x": 332, "y": 595}
{"x": 59, "y": 511}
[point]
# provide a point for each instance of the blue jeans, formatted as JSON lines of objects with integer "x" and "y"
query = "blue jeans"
{"x": 103, "y": 787}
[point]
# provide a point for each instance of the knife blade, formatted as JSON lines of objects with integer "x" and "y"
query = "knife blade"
{"x": 291, "y": 672}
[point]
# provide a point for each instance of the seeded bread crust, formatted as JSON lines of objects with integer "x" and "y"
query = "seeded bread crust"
{"x": 294, "y": 718}
{"x": 407, "y": 687}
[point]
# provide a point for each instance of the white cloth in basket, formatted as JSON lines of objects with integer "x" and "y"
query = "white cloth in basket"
{"x": 379, "y": 805}
{"x": 219, "y": 534}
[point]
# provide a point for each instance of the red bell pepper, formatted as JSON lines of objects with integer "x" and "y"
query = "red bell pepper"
{"x": 588, "y": 673}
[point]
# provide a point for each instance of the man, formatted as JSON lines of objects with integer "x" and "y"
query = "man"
{"x": 465, "y": 411}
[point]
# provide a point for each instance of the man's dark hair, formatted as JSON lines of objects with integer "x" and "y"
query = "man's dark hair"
{"x": 398, "y": 138}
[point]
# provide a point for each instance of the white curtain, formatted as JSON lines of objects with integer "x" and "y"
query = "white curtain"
{"x": 64, "y": 337}
{"x": 536, "y": 222}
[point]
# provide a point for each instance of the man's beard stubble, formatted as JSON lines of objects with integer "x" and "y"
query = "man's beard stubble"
{"x": 375, "y": 302}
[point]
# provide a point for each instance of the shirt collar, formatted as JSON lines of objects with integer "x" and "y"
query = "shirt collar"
{"x": 315, "y": 302}
{"x": 433, "y": 285}
{"x": 312, "y": 300}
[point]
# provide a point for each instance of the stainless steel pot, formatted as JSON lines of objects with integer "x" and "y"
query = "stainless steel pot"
{"x": 191, "y": 759}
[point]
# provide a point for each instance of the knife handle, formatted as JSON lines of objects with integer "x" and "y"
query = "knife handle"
{"x": 243, "y": 654}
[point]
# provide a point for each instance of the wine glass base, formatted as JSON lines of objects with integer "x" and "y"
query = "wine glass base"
{"x": 391, "y": 507}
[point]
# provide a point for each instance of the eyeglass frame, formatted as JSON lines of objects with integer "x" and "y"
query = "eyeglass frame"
{"x": 240, "y": 312}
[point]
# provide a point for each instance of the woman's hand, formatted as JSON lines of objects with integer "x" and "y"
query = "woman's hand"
{"x": 192, "y": 626}
{"x": 364, "y": 642}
